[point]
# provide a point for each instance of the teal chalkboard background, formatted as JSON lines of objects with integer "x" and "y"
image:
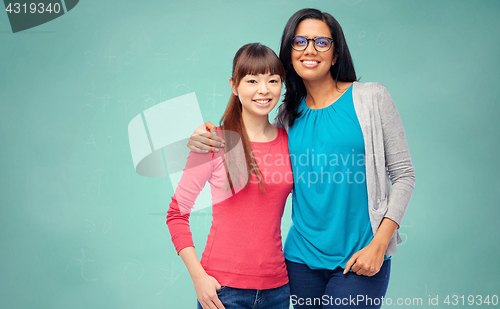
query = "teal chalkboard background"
{"x": 79, "y": 228}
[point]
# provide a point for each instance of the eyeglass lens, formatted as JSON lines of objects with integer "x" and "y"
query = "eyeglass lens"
{"x": 321, "y": 44}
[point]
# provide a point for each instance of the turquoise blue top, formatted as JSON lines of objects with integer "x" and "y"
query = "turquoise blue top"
{"x": 330, "y": 220}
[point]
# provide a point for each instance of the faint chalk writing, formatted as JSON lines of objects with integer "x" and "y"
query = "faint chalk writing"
{"x": 214, "y": 95}
{"x": 193, "y": 57}
{"x": 360, "y": 36}
{"x": 172, "y": 275}
{"x": 379, "y": 40}
{"x": 97, "y": 180}
{"x": 82, "y": 262}
{"x": 90, "y": 141}
{"x": 87, "y": 222}
{"x": 133, "y": 271}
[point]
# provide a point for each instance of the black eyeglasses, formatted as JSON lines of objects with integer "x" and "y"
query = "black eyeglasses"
{"x": 321, "y": 44}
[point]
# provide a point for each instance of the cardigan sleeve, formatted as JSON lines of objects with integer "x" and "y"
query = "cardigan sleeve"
{"x": 397, "y": 157}
{"x": 197, "y": 172}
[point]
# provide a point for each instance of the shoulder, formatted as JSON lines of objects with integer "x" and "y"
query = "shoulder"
{"x": 282, "y": 133}
{"x": 282, "y": 136}
{"x": 373, "y": 92}
{"x": 371, "y": 87}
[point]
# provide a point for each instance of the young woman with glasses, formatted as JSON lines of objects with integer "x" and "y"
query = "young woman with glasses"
{"x": 347, "y": 146}
{"x": 250, "y": 179}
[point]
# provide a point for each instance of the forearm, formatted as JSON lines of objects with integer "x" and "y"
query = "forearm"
{"x": 192, "y": 263}
{"x": 384, "y": 234}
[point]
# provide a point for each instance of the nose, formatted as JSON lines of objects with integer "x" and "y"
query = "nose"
{"x": 263, "y": 88}
{"x": 310, "y": 48}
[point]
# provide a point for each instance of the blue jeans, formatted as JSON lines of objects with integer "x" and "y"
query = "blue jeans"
{"x": 323, "y": 288}
{"x": 233, "y": 298}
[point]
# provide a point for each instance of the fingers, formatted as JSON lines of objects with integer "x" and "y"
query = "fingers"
{"x": 197, "y": 149}
{"x": 201, "y": 142}
{"x": 208, "y": 305}
{"x": 209, "y": 125}
{"x": 216, "y": 140}
{"x": 358, "y": 268}
{"x": 213, "y": 303}
{"x": 364, "y": 269}
{"x": 349, "y": 264}
{"x": 219, "y": 304}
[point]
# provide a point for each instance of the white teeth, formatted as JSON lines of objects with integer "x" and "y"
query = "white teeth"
{"x": 262, "y": 101}
{"x": 310, "y": 62}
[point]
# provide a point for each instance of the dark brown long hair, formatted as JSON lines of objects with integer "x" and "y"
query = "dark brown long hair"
{"x": 250, "y": 59}
{"x": 343, "y": 70}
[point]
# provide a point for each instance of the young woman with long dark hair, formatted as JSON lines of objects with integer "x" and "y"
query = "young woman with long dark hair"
{"x": 347, "y": 146}
{"x": 243, "y": 264}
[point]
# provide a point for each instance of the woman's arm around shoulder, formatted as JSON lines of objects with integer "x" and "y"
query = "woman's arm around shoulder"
{"x": 204, "y": 139}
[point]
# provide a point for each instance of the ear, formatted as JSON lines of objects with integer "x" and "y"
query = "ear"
{"x": 233, "y": 86}
{"x": 334, "y": 59}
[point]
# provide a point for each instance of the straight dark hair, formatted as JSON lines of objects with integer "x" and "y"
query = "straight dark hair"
{"x": 343, "y": 70}
{"x": 250, "y": 59}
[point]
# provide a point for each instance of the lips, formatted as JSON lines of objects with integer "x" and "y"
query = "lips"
{"x": 310, "y": 63}
{"x": 262, "y": 102}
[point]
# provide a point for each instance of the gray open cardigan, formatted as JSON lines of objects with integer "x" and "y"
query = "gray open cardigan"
{"x": 387, "y": 158}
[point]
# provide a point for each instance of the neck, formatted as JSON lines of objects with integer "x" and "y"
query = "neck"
{"x": 259, "y": 129}
{"x": 320, "y": 93}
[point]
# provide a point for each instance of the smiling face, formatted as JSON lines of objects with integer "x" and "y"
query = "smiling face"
{"x": 258, "y": 94}
{"x": 310, "y": 64}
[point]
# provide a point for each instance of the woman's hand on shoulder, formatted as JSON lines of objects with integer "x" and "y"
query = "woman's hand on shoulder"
{"x": 206, "y": 288}
{"x": 203, "y": 141}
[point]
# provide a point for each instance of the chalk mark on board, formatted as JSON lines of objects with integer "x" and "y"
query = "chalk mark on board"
{"x": 126, "y": 179}
{"x": 107, "y": 226}
{"x": 89, "y": 104}
{"x": 183, "y": 85}
{"x": 130, "y": 61}
{"x": 149, "y": 102}
{"x": 378, "y": 37}
{"x": 91, "y": 94}
{"x": 82, "y": 262}
{"x": 109, "y": 56}
{"x": 173, "y": 276}
{"x": 108, "y": 145}
{"x": 405, "y": 239}
{"x": 161, "y": 56}
{"x": 126, "y": 106}
{"x": 214, "y": 95}
{"x": 105, "y": 101}
{"x": 163, "y": 97}
{"x": 86, "y": 226}
{"x": 360, "y": 36}
{"x": 92, "y": 58}
{"x": 90, "y": 141}
{"x": 129, "y": 264}
{"x": 98, "y": 180}
{"x": 193, "y": 57}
